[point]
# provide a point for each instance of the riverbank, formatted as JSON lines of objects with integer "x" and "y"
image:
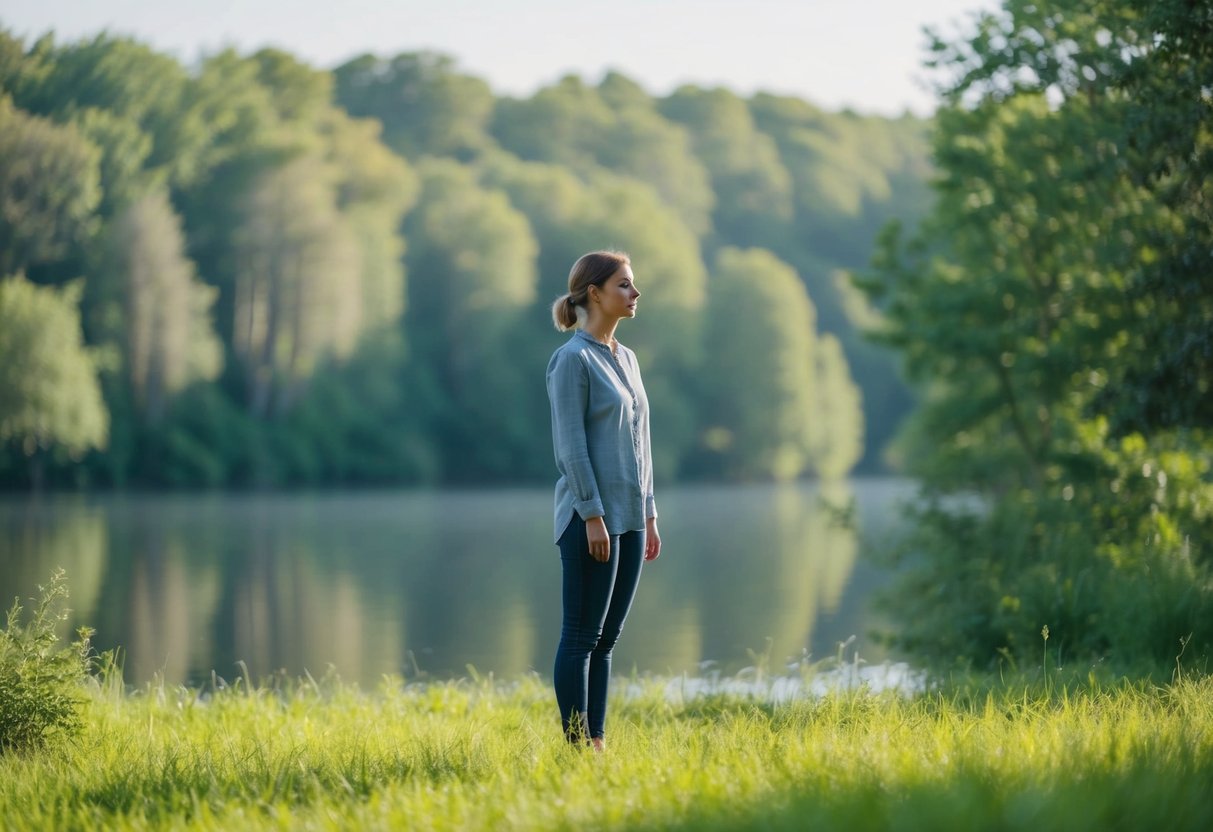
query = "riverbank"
{"x": 487, "y": 755}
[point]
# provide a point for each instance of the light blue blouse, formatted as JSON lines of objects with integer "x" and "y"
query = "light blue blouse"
{"x": 600, "y": 433}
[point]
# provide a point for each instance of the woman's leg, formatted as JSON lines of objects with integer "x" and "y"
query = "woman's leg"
{"x": 586, "y": 592}
{"x": 628, "y": 552}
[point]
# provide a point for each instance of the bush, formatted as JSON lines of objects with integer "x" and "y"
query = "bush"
{"x": 1115, "y": 577}
{"x": 40, "y": 682}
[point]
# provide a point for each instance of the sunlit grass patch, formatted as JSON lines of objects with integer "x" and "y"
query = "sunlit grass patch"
{"x": 488, "y": 755}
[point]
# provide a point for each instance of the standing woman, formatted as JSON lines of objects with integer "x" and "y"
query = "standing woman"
{"x": 606, "y": 519}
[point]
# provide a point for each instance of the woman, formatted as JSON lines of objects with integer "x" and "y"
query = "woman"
{"x": 606, "y": 519}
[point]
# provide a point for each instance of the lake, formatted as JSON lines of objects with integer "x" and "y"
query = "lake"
{"x": 430, "y": 583}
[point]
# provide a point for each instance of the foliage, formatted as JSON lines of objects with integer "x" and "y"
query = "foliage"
{"x": 359, "y": 423}
{"x": 246, "y": 227}
{"x": 49, "y": 396}
{"x": 752, "y": 186}
{"x": 474, "y": 275}
{"x": 1145, "y": 68}
{"x": 614, "y": 126}
{"x": 293, "y": 251}
{"x": 375, "y": 189}
{"x": 485, "y": 755}
{"x": 162, "y": 313}
{"x": 142, "y": 94}
{"x": 41, "y": 684}
{"x": 1169, "y": 139}
{"x": 760, "y": 334}
{"x": 1020, "y": 308}
{"x": 426, "y": 106}
{"x": 48, "y": 189}
{"x": 761, "y": 338}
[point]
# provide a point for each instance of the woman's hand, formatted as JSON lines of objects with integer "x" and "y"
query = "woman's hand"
{"x": 652, "y": 540}
{"x": 600, "y": 542}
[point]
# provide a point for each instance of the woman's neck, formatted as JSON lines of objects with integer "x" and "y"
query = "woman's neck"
{"x": 601, "y": 330}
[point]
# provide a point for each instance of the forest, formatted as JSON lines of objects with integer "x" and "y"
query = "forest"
{"x": 255, "y": 273}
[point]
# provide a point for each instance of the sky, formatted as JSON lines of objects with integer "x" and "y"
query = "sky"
{"x": 865, "y": 55}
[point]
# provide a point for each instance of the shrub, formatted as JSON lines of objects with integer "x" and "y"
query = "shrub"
{"x": 40, "y": 681}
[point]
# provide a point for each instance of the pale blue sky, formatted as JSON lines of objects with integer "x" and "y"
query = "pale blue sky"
{"x": 865, "y": 54}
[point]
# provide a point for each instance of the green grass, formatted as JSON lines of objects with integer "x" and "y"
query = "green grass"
{"x": 483, "y": 755}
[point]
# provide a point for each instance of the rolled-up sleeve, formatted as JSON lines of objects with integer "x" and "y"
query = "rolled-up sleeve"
{"x": 568, "y": 391}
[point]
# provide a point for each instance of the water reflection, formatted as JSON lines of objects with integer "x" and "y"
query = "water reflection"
{"x": 431, "y": 583}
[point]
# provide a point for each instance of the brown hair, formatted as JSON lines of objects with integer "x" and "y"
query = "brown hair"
{"x": 593, "y": 269}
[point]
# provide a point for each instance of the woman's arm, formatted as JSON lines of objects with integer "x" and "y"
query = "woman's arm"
{"x": 569, "y": 393}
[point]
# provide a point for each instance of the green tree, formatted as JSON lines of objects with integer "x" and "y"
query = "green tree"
{"x": 553, "y": 198}
{"x": 757, "y": 412}
{"x": 19, "y": 68}
{"x": 166, "y": 332}
{"x": 849, "y": 175}
{"x": 363, "y": 421}
{"x": 50, "y": 401}
{"x": 125, "y": 151}
{"x": 472, "y": 262}
{"x": 842, "y": 167}
{"x": 1016, "y": 307}
{"x": 1150, "y": 66}
{"x": 294, "y": 303}
{"x": 48, "y": 190}
{"x": 300, "y": 95}
{"x": 375, "y": 189}
{"x": 1168, "y": 141}
{"x": 588, "y": 129}
{"x": 561, "y": 123}
{"x": 425, "y": 105}
{"x": 753, "y": 189}
{"x": 131, "y": 82}
{"x": 227, "y": 95}
{"x": 644, "y": 145}
{"x": 250, "y": 141}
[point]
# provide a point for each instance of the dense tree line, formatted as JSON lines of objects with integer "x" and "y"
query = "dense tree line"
{"x": 1057, "y": 308}
{"x": 256, "y": 272}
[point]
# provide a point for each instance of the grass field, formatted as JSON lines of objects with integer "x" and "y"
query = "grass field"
{"x": 486, "y": 755}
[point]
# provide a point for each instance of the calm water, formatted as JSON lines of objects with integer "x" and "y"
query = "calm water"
{"x": 429, "y": 583}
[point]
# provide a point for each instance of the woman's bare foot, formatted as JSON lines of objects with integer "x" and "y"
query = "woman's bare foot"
{"x": 599, "y": 744}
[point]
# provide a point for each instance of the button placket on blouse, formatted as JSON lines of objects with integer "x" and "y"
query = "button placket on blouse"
{"x": 635, "y": 407}
{"x": 635, "y": 420}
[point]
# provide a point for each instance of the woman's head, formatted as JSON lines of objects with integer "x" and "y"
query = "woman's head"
{"x": 593, "y": 269}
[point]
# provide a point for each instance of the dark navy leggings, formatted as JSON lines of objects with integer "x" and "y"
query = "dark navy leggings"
{"x": 597, "y": 597}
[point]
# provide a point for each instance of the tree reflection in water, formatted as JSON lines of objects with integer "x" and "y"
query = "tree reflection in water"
{"x": 430, "y": 583}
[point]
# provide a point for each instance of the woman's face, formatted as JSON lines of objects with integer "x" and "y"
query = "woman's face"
{"x": 617, "y": 297}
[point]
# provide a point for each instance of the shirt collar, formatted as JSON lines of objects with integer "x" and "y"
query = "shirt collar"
{"x": 590, "y": 338}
